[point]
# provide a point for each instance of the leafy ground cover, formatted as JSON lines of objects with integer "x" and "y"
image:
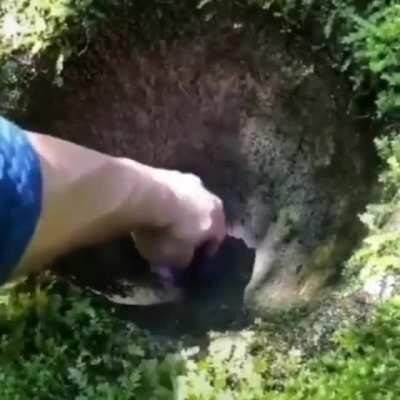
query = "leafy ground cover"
{"x": 57, "y": 343}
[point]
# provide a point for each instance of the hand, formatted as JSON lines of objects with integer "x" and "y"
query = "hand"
{"x": 192, "y": 217}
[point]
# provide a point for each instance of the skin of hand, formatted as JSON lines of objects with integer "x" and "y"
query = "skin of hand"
{"x": 195, "y": 219}
{"x": 90, "y": 197}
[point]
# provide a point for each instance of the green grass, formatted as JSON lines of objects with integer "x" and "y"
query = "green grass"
{"x": 56, "y": 343}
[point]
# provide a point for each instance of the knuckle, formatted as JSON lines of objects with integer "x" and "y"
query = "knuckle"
{"x": 218, "y": 203}
{"x": 194, "y": 178}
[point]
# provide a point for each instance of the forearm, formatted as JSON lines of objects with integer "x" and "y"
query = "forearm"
{"x": 56, "y": 196}
{"x": 87, "y": 197}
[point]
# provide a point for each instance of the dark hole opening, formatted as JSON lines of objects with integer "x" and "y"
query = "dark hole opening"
{"x": 117, "y": 271}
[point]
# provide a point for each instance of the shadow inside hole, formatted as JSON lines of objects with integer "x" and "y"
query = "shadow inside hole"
{"x": 215, "y": 303}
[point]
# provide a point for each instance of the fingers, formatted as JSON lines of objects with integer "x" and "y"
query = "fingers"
{"x": 198, "y": 226}
{"x": 158, "y": 248}
{"x": 176, "y": 253}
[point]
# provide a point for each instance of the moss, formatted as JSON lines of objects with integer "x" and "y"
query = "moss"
{"x": 379, "y": 255}
{"x": 365, "y": 363}
{"x": 57, "y": 344}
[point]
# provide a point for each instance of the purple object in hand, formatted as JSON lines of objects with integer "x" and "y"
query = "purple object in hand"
{"x": 203, "y": 270}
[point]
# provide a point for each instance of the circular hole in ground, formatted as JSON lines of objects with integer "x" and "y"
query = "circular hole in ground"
{"x": 278, "y": 146}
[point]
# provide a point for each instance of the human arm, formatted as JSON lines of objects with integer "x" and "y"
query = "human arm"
{"x": 89, "y": 197}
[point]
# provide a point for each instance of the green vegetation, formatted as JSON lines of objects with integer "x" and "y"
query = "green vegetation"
{"x": 67, "y": 347}
{"x": 29, "y": 30}
{"x": 55, "y": 347}
{"x": 365, "y": 365}
{"x": 57, "y": 344}
{"x": 375, "y": 47}
{"x": 380, "y": 254}
{"x": 361, "y": 39}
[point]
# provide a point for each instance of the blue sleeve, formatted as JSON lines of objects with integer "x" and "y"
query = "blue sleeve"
{"x": 20, "y": 195}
